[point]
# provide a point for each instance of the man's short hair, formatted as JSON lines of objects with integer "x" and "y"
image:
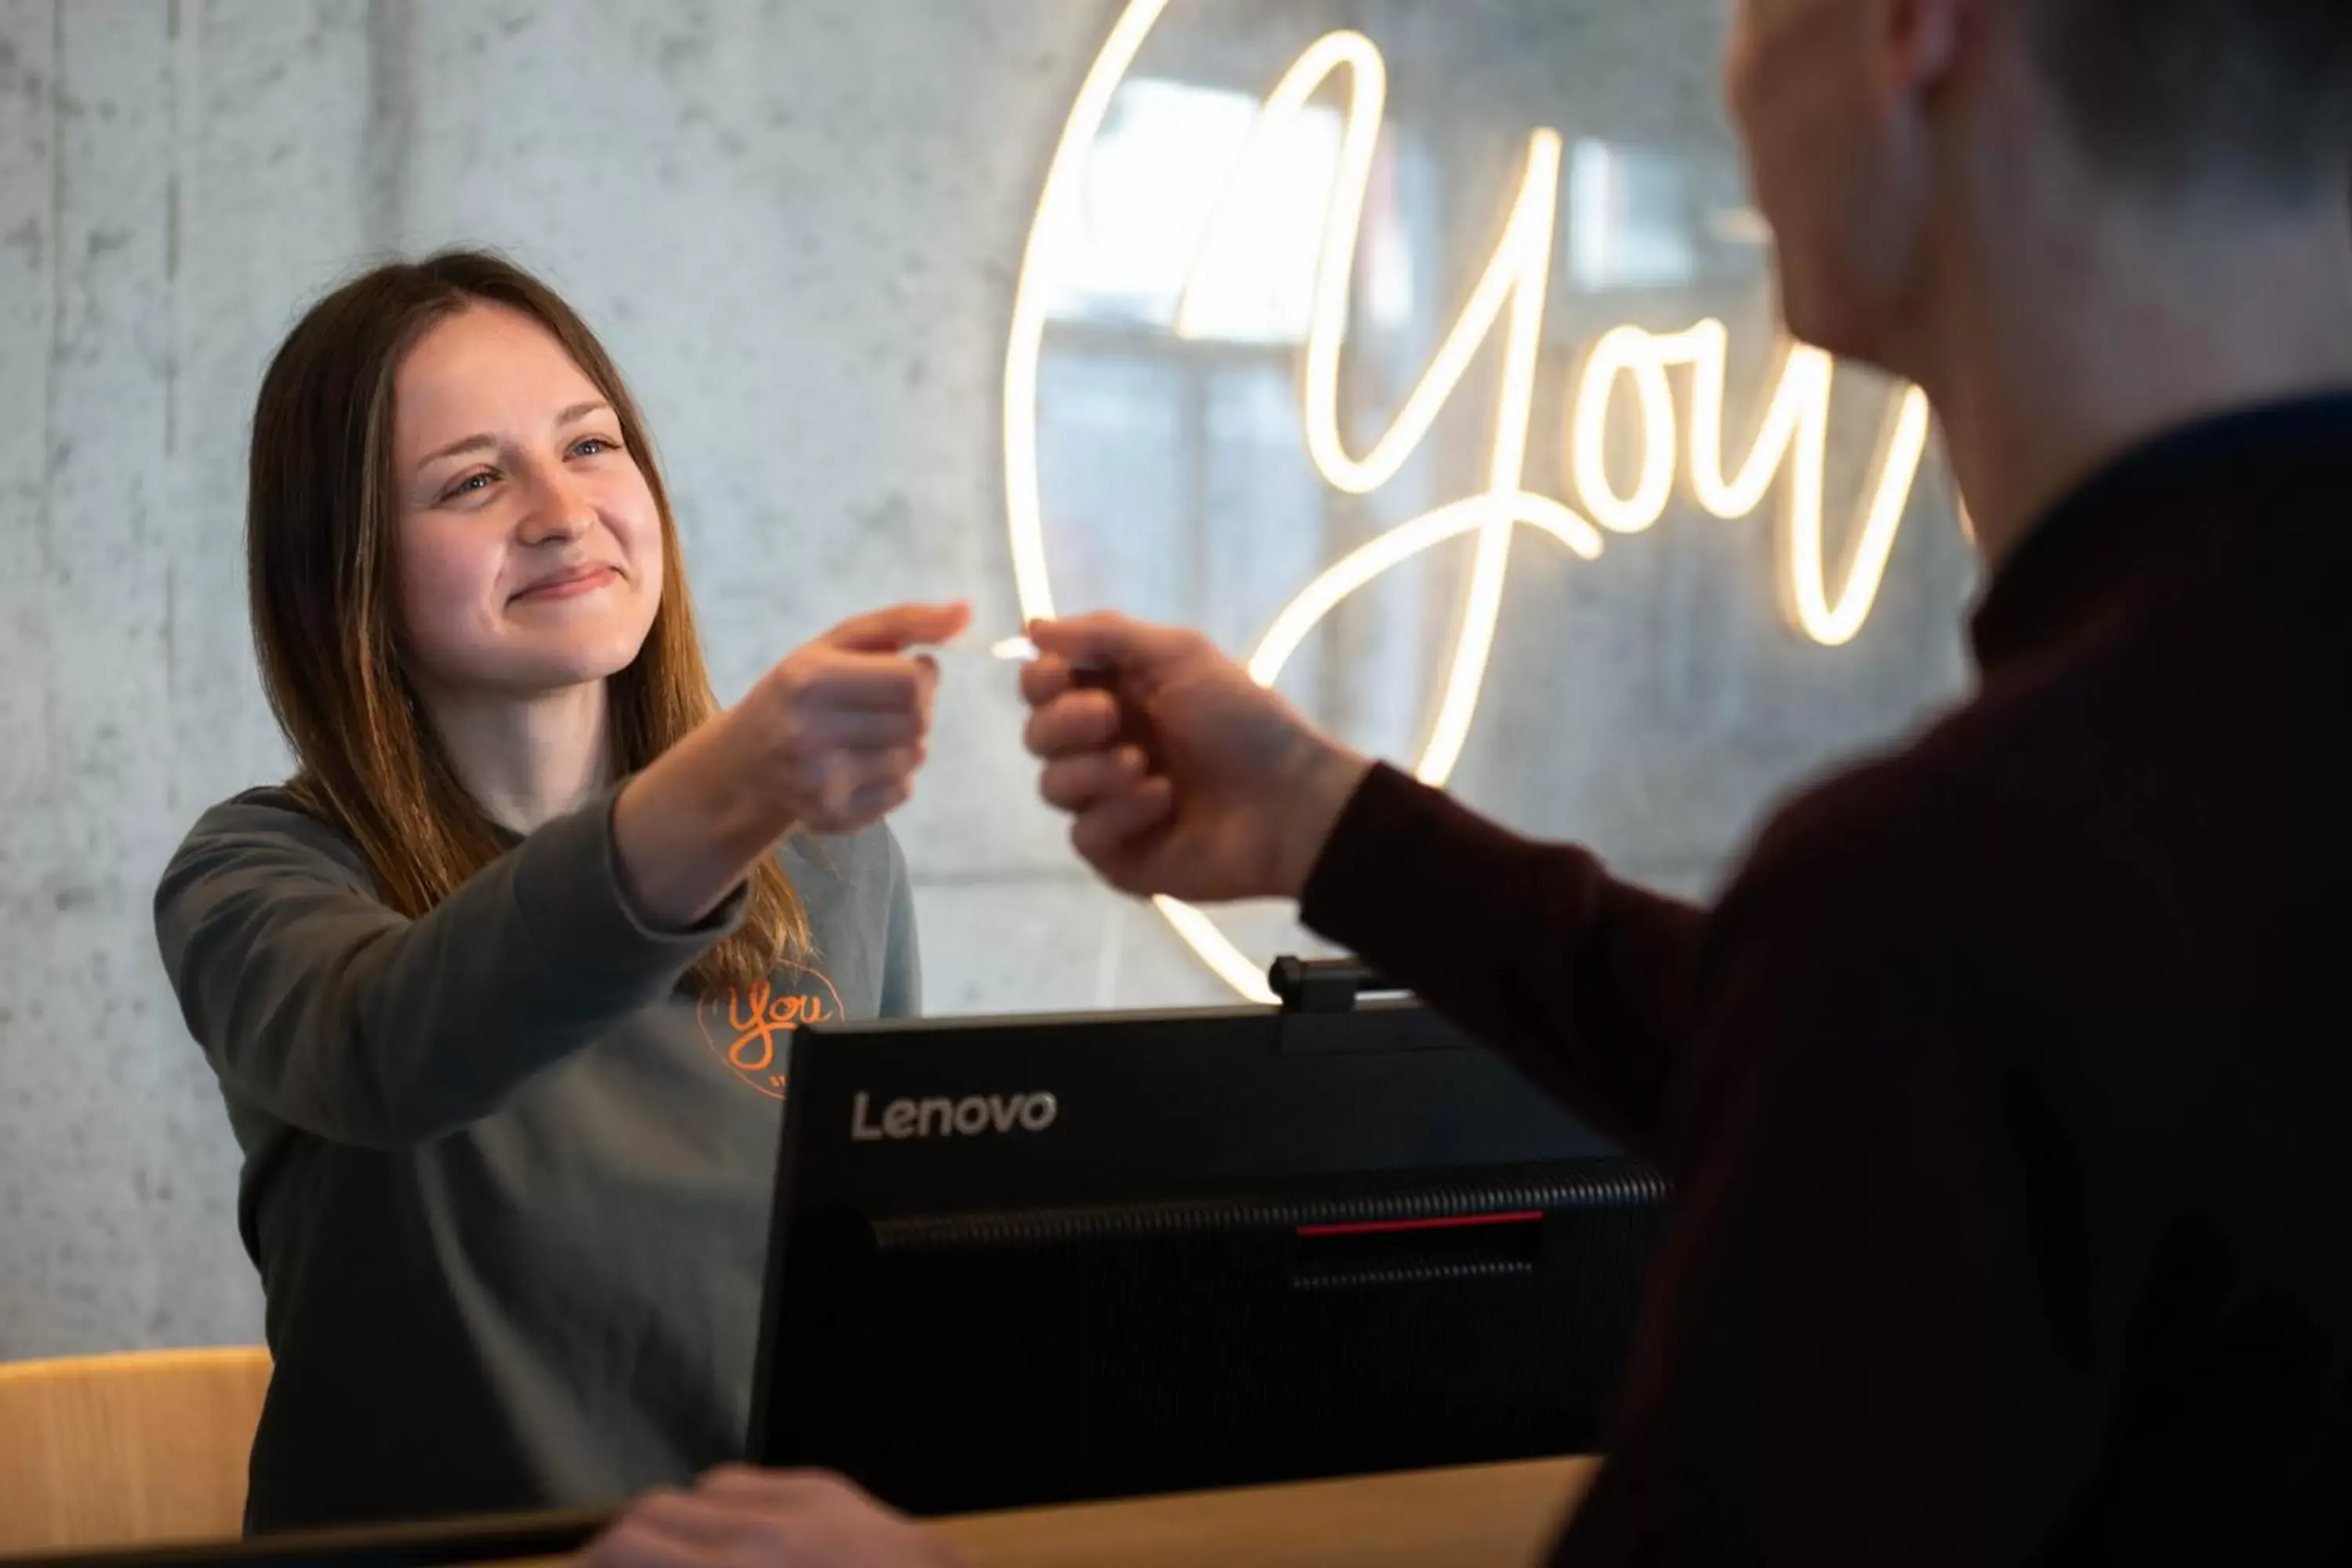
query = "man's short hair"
{"x": 2257, "y": 92}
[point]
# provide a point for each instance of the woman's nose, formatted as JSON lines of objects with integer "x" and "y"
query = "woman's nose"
{"x": 557, "y": 510}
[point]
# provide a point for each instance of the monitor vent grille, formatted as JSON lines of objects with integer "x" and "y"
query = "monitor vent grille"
{"x": 1612, "y": 1185}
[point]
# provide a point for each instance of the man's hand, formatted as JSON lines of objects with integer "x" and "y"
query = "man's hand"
{"x": 741, "y": 1517}
{"x": 1183, "y": 775}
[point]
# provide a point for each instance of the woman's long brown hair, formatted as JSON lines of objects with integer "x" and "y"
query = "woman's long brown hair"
{"x": 320, "y": 538}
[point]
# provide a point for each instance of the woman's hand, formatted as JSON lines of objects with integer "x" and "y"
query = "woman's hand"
{"x": 829, "y": 741}
{"x": 832, "y": 737}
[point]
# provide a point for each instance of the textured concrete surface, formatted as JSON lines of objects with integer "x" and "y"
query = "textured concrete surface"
{"x": 798, "y": 226}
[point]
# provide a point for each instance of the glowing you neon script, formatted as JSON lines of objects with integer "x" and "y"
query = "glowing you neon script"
{"x": 1509, "y": 300}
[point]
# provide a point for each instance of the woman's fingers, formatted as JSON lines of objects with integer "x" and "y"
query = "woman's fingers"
{"x": 885, "y": 683}
{"x": 868, "y": 805}
{"x": 847, "y": 790}
{"x": 850, "y": 771}
{"x": 902, "y": 626}
{"x": 865, "y": 730}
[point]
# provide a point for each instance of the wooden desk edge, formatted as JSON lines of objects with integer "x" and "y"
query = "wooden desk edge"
{"x": 1484, "y": 1516}
{"x": 1499, "y": 1515}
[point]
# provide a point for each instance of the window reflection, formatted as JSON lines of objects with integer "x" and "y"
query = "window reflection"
{"x": 1175, "y": 479}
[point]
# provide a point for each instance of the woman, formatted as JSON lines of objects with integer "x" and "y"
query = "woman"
{"x": 499, "y": 987}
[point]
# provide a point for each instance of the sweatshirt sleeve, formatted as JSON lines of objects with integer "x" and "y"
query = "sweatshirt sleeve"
{"x": 324, "y": 1008}
{"x": 902, "y": 959}
{"x": 1583, "y": 979}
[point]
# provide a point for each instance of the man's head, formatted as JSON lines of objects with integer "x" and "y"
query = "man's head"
{"x": 1886, "y": 135}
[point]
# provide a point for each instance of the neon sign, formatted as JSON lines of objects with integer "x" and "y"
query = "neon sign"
{"x": 1509, "y": 300}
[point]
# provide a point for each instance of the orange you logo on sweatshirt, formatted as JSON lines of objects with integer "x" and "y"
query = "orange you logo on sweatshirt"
{"x": 750, "y": 1030}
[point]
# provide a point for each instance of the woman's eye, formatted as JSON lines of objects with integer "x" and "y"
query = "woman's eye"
{"x": 592, "y": 445}
{"x": 471, "y": 484}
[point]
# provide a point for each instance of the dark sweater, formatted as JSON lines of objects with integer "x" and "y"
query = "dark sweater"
{"x": 2005, "y": 1090}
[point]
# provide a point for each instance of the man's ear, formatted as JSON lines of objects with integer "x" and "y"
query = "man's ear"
{"x": 1915, "y": 44}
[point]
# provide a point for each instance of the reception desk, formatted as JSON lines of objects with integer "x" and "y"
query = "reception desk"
{"x": 1491, "y": 1516}
{"x": 1485, "y": 1516}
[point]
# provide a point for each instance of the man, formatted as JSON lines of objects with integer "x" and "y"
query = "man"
{"x": 2004, "y": 1088}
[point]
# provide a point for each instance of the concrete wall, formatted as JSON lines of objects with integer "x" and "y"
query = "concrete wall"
{"x": 798, "y": 226}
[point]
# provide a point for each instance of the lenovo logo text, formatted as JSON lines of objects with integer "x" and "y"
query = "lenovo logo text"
{"x": 939, "y": 1116}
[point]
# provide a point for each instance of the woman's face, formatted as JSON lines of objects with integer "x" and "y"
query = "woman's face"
{"x": 529, "y": 545}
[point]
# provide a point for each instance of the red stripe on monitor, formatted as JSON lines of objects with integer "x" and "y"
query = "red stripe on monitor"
{"x": 1450, "y": 1221}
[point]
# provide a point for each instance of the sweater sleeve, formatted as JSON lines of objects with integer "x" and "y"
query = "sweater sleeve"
{"x": 322, "y": 1007}
{"x": 902, "y": 960}
{"x": 1582, "y": 979}
{"x": 1917, "y": 1205}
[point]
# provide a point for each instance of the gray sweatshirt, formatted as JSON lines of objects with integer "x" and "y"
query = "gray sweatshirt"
{"x": 507, "y": 1180}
